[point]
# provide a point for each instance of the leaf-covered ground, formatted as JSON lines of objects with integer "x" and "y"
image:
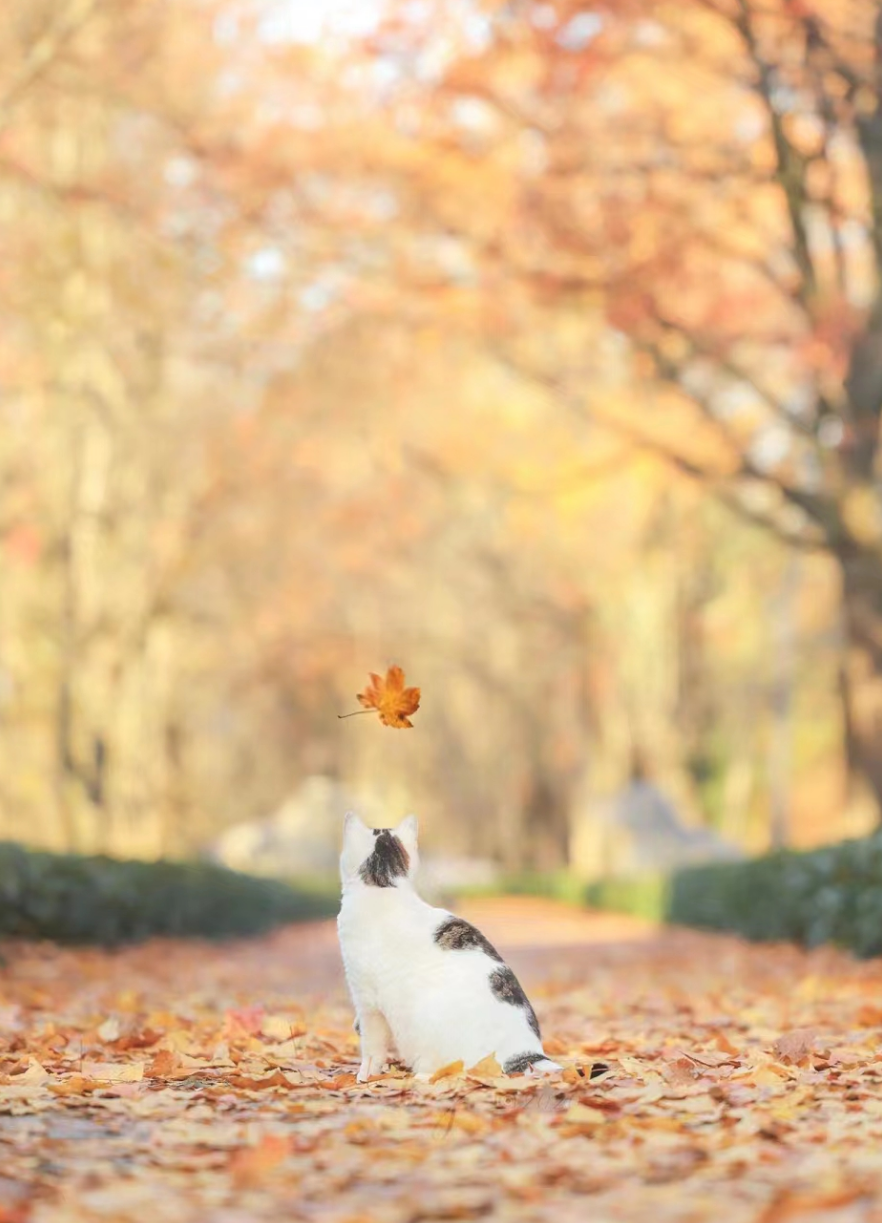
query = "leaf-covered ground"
{"x": 189, "y": 1082}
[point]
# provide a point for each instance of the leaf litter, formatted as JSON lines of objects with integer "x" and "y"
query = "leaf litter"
{"x": 704, "y": 1078}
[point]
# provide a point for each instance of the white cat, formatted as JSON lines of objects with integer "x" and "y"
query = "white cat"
{"x": 424, "y": 982}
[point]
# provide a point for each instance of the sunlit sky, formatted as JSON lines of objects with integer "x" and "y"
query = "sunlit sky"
{"x": 308, "y": 20}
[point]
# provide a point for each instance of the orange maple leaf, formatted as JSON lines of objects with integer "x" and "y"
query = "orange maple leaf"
{"x": 392, "y": 701}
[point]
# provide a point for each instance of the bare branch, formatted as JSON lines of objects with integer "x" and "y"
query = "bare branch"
{"x": 791, "y": 165}
{"x": 723, "y": 486}
{"x": 45, "y": 51}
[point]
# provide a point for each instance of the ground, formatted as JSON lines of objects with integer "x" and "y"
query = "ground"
{"x": 191, "y": 1082}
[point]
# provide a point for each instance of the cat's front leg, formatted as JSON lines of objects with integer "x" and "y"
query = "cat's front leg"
{"x": 376, "y": 1041}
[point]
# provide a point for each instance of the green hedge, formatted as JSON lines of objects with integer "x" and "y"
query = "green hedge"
{"x": 643, "y": 896}
{"x": 828, "y": 895}
{"x": 74, "y": 899}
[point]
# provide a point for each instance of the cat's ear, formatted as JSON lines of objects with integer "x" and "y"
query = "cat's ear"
{"x": 351, "y": 822}
{"x": 358, "y": 841}
{"x": 408, "y": 832}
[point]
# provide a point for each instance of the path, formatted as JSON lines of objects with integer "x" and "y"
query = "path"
{"x": 193, "y": 1083}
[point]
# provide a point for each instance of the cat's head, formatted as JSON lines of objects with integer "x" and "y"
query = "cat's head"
{"x": 378, "y": 857}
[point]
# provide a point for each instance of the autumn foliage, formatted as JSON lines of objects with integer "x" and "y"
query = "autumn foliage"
{"x": 535, "y": 345}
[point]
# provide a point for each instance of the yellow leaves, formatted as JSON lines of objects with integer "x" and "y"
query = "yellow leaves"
{"x": 795, "y": 1046}
{"x": 449, "y": 1071}
{"x": 389, "y": 697}
{"x": 114, "y": 1072}
{"x": 707, "y": 1091}
{"x": 581, "y": 1119}
{"x": 251, "y": 1165}
{"x": 487, "y": 1068}
{"x": 163, "y": 1064}
{"x": 243, "y": 1083}
{"x": 276, "y": 1027}
{"x": 76, "y": 1085}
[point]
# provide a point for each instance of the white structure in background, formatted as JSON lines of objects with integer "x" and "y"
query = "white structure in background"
{"x": 302, "y": 838}
{"x": 639, "y": 831}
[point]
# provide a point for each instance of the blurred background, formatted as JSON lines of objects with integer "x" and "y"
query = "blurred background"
{"x": 534, "y": 346}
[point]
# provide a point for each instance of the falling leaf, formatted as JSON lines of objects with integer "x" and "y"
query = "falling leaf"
{"x": 390, "y": 698}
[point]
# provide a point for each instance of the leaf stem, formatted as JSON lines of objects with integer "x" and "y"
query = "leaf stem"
{"x": 357, "y": 712}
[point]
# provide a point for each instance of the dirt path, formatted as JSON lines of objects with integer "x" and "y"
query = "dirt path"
{"x": 190, "y": 1082}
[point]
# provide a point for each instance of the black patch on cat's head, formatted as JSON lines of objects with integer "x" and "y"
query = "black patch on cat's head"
{"x": 521, "y": 1062}
{"x": 507, "y": 988}
{"x": 388, "y": 862}
{"x": 454, "y": 934}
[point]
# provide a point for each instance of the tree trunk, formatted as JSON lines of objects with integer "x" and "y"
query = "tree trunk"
{"x": 862, "y": 672}
{"x": 546, "y": 833}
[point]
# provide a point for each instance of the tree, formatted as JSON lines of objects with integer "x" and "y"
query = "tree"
{"x": 704, "y": 180}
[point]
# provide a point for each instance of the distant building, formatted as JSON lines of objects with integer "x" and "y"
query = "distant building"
{"x": 302, "y": 838}
{"x": 639, "y": 831}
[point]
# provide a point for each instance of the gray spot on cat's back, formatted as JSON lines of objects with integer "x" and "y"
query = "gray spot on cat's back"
{"x": 521, "y": 1062}
{"x": 455, "y": 934}
{"x": 388, "y": 862}
{"x": 507, "y": 988}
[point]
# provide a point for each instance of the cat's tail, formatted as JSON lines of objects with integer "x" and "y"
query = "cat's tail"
{"x": 530, "y": 1063}
{"x": 545, "y": 1066}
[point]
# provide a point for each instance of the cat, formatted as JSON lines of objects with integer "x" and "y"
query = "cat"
{"x": 423, "y": 981}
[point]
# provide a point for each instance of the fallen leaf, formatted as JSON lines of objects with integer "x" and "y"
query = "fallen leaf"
{"x": 276, "y": 1079}
{"x": 250, "y": 1165}
{"x": 110, "y": 1030}
{"x": 164, "y": 1063}
{"x": 581, "y": 1118}
{"x": 35, "y": 1074}
{"x": 796, "y": 1205}
{"x": 794, "y": 1047}
{"x": 275, "y": 1027}
{"x": 724, "y": 1044}
{"x": 114, "y": 1072}
{"x": 488, "y": 1067}
{"x": 447, "y": 1072}
{"x": 341, "y": 1081}
{"x": 76, "y": 1085}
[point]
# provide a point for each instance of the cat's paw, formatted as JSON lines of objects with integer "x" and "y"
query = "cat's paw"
{"x": 370, "y": 1066}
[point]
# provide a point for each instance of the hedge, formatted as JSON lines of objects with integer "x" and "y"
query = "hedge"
{"x": 827, "y": 895}
{"x": 75, "y": 899}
